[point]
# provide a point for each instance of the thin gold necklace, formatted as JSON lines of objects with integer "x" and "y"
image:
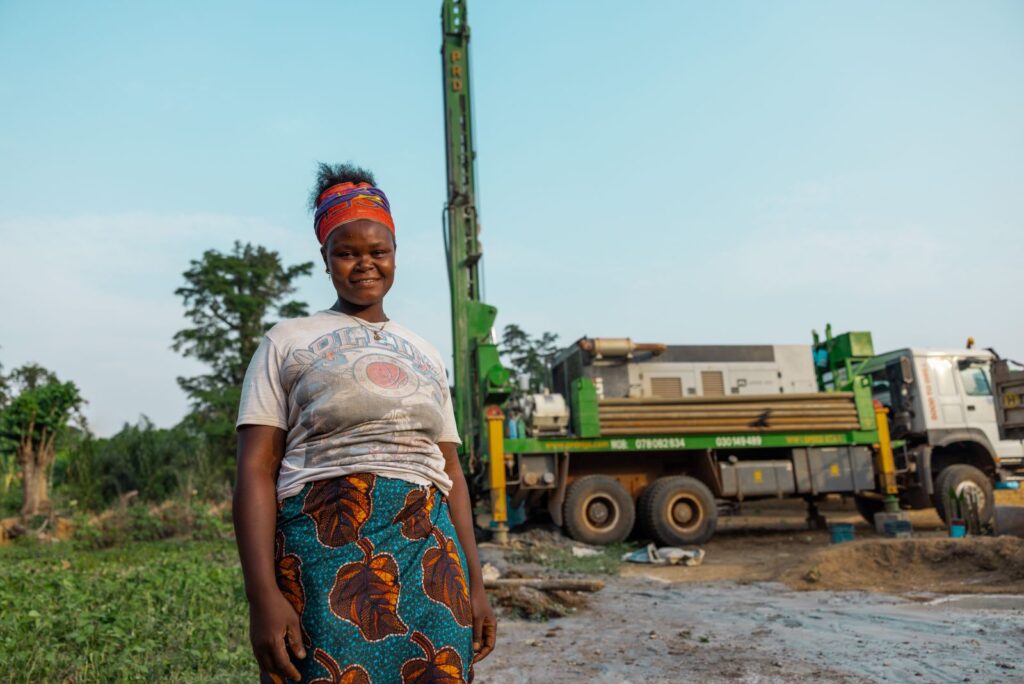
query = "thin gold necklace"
{"x": 376, "y": 331}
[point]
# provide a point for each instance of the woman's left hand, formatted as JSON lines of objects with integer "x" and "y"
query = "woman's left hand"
{"x": 485, "y": 624}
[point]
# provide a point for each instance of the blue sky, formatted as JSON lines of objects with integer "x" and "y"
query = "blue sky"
{"x": 681, "y": 172}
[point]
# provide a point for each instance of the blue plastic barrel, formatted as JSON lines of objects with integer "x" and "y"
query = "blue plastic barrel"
{"x": 841, "y": 532}
{"x": 957, "y": 530}
{"x": 897, "y": 529}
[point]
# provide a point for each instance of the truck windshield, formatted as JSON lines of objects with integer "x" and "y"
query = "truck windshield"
{"x": 880, "y": 390}
{"x": 975, "y": 382}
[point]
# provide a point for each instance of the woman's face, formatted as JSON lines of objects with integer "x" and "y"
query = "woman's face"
{"x": 361, "y": 259}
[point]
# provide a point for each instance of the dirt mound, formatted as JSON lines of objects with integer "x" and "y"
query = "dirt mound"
{"x": 973, "y": 565}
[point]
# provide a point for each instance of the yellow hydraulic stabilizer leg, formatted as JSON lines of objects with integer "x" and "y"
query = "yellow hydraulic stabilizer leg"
{"x": 886, "y": 460}
{"x": 496, "y": 472}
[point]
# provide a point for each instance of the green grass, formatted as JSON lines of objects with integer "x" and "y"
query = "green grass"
{"x": 168, "y": 611}
{"x": 148, "y": 611}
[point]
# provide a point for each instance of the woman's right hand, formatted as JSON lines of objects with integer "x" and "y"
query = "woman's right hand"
{"x": 273, "y": 628}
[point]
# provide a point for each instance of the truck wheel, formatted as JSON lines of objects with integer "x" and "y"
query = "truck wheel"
{"x": 868, "y": 507}
{"x": 963, "y": 480}
{"x": 598, "y": 510}
{"x": 679, "y": 510}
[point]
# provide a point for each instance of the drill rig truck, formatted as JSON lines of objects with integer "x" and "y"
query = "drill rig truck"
{"x": 658, "y": 437}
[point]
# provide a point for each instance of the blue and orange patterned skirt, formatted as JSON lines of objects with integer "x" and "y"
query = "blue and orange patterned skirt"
{"x": 376, "y": 572}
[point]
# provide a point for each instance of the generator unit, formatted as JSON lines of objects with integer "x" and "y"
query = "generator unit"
{"x": 546, "y": 415}
{"x": 622, "y": 369}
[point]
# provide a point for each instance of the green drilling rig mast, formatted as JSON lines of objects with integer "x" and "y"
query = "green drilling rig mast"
{"x": 480, "y": 379}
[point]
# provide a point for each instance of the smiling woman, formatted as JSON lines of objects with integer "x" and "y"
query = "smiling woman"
{"x": 360, "y": 260}
{"x": 351, "y": 510}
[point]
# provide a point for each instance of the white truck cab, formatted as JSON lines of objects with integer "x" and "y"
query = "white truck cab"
{"x": 941, "y": 404}
{"x": 949, "y": 396}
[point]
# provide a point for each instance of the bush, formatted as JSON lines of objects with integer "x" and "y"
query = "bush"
{"x": 10, "y": 501}
{"x": 179, "y": 519}
{"x": 156, "y": 463}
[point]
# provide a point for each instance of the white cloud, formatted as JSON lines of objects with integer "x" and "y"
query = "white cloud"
{"x": 92, "y": 298}
{"x": 817, "y": 254}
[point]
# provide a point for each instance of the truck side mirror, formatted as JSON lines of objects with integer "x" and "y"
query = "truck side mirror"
{"x": 906, "y": 370}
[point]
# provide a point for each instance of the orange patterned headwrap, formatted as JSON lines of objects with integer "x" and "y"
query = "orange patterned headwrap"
{"x": 347, "y": 202}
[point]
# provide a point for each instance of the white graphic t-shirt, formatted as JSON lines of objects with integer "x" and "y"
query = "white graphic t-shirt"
{"x": 350, "y": 403}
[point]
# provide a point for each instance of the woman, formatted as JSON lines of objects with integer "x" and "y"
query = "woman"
{"x": 351, "y": 510}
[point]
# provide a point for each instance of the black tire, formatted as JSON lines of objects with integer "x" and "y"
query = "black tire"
{"x": 868, "y": 507}
{"x": 598, "y": 510}
{"x": 643, "y": 527}
{"x": 679, "y": 510}
{"x": 964, "y": 478}
{"x": 939, "y": 495}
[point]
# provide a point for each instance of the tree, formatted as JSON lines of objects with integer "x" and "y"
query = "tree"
{"x": 5, "y": 388}
{"x": 30, "y": 424}
{"x": 8, "y": 464}
{"x": 528, "y": 357}
{"x": 32, "y": 375}
{"x": 228, "y": 298}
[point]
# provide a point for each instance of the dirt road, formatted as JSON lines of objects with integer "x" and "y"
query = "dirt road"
{"x": 643, "y": 630}
{"x": 752, "y": 612}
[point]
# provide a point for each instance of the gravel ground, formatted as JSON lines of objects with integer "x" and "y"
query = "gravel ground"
{"x": 646, "y": 630}
{"x": 746, "y": 615}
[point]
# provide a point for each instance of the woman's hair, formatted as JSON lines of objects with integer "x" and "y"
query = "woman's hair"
{"x": 332, "y": 174}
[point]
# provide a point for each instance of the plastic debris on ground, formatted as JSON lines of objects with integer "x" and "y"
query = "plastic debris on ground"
{"x": 585, "y": 551}
{"x": 666, "y": 555}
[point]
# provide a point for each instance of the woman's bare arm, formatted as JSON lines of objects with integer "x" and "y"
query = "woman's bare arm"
{"x": 273, "y": 622}
{"x": 484, "y": 621}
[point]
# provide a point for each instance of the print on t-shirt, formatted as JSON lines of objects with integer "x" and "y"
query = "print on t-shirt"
{"x": 350, "y": 383}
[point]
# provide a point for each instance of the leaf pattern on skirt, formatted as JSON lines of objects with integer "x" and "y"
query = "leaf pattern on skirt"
{"x": 415, "y": 514}
{"x": 365, "y": 593}
{"x": 353, "y": 674}
{"x": 444, "y": 579}
{"x": 442, "y": 667}
{"x": 289, "y": 575}
{"x": 339, "y": 507}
